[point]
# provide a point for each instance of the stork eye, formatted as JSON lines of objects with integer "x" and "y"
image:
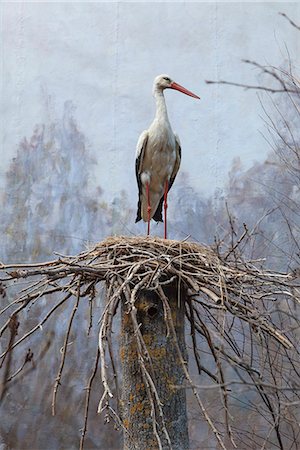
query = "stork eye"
{"x": 167, "y": 79}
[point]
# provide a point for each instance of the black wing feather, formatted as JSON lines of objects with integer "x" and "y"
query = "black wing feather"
{"x": 138, "y": 163}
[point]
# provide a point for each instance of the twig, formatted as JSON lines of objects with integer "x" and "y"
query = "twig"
{"x": 255, "y": 87}
{"x": 291, "y": 22}
{"x": 87, "y": 400}
{"x": 64, "y": 351}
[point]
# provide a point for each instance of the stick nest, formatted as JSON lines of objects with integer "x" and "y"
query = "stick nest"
{"x": 237, "y": 287}
{"x": 223, "y": 294}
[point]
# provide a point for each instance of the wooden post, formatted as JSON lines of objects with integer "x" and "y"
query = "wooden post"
{"x": 167, "y": 374}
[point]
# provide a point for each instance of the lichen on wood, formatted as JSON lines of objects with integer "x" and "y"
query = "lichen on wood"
{"x": 228, "y": 304}
{"x": 138, "y": 403}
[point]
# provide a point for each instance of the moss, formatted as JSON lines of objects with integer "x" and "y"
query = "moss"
{"x": 149, "y": 339}
{"x": 157, "y": 353}
{"x": 129, "y": 352}
{"x": 122, "y": 353}
{"x": 126, "y": 321}
{"x": 140, "y": 386}
{"x": 137, "y": 408}
{"x": 126, "y": 423}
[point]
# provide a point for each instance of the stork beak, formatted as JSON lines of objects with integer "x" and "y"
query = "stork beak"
{"x": 177, "y": 87}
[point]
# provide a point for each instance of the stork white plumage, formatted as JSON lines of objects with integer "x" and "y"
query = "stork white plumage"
{"x": 158, "y": 157}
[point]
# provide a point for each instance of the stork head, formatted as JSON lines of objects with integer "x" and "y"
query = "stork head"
{"x": 163, "y": 81}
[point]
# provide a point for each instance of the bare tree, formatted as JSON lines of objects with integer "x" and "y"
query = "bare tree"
{"x": 244, "y": 318}
{"x": 276, "y": 182}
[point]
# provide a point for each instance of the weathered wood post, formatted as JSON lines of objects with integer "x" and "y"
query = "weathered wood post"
{"x": 152, "y": 347}
{"x": 143, "y": 429}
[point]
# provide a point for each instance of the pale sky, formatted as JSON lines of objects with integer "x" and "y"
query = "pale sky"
{"x": 104, "y": 57}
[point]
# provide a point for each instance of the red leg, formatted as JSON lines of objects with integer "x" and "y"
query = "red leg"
{"x": 166, "y": 206}
{"x": 148, "y": 208}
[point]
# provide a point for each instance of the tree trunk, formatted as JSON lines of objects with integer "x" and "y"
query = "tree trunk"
{"x": 167, "y": 374}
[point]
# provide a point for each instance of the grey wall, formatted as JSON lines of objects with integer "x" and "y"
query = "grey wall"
{"x": 104, "y": 56}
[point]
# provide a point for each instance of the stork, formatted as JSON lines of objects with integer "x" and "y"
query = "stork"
{"x": 158, "y": 156}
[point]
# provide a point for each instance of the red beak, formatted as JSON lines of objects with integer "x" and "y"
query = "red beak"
{"x": 182, "y": 89}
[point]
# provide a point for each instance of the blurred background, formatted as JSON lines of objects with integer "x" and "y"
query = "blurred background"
{"x": 76, "y": 92}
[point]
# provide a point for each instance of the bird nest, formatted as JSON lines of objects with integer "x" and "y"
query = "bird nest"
{"x": 138, "y": 263}
{"x": 224, "y": 297}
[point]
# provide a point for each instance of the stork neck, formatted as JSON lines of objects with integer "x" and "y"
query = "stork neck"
{"x": 161, "y": 107}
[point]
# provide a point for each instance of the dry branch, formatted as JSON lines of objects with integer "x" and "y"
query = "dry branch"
{"x": 230, "y": 307}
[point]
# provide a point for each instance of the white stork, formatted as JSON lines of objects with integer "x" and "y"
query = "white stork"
{"x": 158, "y": 157}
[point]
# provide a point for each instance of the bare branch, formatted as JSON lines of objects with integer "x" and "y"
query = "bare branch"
{"x": 291, "y": 22}
{"x": 64, "y": 351}
{"x": 231, "y": 306}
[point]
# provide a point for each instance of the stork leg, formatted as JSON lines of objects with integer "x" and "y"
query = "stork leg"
{"x": 166, "y": 206}
{"x": 148, "y": 208}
